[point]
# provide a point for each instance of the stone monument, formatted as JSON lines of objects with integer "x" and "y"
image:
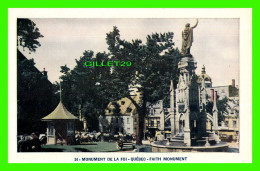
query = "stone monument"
{"x": 184, "y": 121}
{"x": 187, "y": 39}
{"x": 188, "y": 114}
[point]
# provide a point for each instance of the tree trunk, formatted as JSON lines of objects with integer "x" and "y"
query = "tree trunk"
{"x": 140, "y": 129}
{"x": 141, "y": 111}
{"x": 141, "y": 122}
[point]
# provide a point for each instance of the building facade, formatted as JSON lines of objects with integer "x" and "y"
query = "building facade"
{"x": 120, "y": 117}
{"x": 229, "y": 128}
{"x": 155, "y": 119}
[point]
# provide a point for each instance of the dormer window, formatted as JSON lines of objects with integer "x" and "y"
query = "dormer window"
{"x": 129, "y": 110}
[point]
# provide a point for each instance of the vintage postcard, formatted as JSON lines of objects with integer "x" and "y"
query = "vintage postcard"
{"x": 130, "y": 85}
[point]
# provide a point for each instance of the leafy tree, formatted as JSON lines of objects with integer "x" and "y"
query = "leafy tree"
{"x": 222, "y": 106}
{"x": 87, "y": 88}
{"x": 154, "y": 64}
{"x": 35, "y": 96}
{"x": 209, "y": 107}
{"x": 27, "y": 34}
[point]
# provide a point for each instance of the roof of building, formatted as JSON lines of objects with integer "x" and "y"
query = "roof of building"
{"x": 125, "y": 104}
{"x": 203, "y": 75}
{"x": 60, "y": 113}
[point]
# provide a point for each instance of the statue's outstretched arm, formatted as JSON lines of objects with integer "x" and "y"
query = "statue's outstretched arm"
{"x": 195, "y": 24}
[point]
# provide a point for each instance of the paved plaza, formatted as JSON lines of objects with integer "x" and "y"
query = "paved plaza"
{"x": 108, "y": 147}
{"x": 92, "y": 147}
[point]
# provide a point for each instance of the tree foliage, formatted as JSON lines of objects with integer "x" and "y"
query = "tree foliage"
{"x": 35, "y": 96}
{"x": 86, "y": 88}
{"x": 27, "y": 34}
{"x": 154, "y": 64}
{"x": 222, "y": 106}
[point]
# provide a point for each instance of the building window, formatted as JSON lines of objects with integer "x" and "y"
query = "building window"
{"x": 151, "y": 111}
{"x": 152, "y": 123}
{"x": 234, "y": 124}
{"x": 51, "y": 129}
{"x": 128, "y": 110}
{"x": 70, "y": 128}
{"x": 122, "y": 102}
{"x": 158, "y": 124}
{"x": 128, "y": 120}
{"x": 226, "y": 123}
{"x": 116, "y": 120}
{"x": 122, "y": 120}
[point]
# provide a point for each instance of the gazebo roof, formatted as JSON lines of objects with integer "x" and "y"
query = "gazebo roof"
{"x": 60, "y": 113}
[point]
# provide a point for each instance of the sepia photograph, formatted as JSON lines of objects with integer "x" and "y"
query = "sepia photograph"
{"x": 130, "y": 90}
{"x": 148, "y": 85}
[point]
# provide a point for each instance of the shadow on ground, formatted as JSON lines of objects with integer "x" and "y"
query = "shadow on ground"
{"x": 82, "y": 150}
{"x": 50, "y": 150}
{"x": 233, "y": 150}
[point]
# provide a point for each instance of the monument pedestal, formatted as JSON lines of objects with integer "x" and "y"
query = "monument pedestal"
{"x": 187, "y": 67}
{"x": 187, "y": 139}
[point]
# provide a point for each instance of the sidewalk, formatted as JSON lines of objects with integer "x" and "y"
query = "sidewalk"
{"x": 146, "y": 142}
{"x": 233, "y": 145}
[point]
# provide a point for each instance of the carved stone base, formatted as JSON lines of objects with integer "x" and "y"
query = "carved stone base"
{"x": 187, "y": 139}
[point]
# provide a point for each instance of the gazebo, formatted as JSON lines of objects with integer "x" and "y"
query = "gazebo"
{"x": 60, "y": 126}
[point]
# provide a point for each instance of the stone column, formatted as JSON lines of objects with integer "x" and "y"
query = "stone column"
{"x": 177, "y": 123}
{"x": 187, "y": 128}
{"x": 215, "y": 113}
{"x": 187, "y": 122}
{"x": 172, "y": 117}
{"x": 215, "y": 118}
{"x": 203, "y": 92}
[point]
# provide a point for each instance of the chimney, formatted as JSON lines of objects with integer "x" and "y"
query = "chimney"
{"x": 233, "y": 83}
{"x": 44, "y": 73}
{"x": 211, "y": 95}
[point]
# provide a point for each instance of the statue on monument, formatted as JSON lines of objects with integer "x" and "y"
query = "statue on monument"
{"x": 187, "y": 38}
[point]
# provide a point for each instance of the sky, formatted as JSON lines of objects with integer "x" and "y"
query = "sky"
{"x": 215, "y": 42}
